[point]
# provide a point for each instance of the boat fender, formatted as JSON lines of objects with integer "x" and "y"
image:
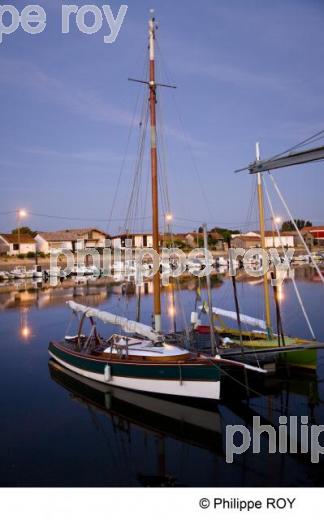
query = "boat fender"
{"x": 107, "y": 373}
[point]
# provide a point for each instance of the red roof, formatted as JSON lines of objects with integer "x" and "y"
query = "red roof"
{"x": 14, "y": 239}
{"x": 316, "y": 231}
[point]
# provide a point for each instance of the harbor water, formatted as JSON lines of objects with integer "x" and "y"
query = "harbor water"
{"x": 57, "y": 430}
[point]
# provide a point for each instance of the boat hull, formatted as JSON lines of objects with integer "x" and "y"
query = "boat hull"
{"x": 305, "y": 360}
{"x": 179, "y": 379}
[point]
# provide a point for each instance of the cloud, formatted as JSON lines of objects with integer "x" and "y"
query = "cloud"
{"x": 81, "y": 101}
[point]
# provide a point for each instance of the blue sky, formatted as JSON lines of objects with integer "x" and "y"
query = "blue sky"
{"x": 246, "y": 71}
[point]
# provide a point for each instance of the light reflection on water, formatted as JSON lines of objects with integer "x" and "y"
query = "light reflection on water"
{"x": 57, "y": 431}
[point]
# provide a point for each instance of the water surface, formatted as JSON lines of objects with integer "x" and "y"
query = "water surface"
{"x": 56, "y": 431}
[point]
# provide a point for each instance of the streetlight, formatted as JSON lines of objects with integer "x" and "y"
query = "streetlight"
{"x": 168, "y": 217}
{"x": 21, "y": 213}
{"x": 275, "y": 220}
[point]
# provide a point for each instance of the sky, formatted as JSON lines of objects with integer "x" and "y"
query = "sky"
{"x": 245, "y": 70}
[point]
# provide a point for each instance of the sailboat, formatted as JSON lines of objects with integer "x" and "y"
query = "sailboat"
{"x": 295, "y": 351}
{"x": 142, "y": 359}
{"x": 189, "y": 422}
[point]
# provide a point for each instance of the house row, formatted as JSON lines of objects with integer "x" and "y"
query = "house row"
{"x": 287, "y": 239}
{"x": 192, "y": 240}
{"x": 52, "y": 241}
{"x": 71, "y": 239}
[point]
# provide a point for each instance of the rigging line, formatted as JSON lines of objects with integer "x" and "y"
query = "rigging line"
{"x": 295, "y": 226}
{"x": 137, "y": 167}
{"x": 60, "y": 217}
{"x": 162, "y": 166}
{"x": 126, "y": 150}
{"x": 298, "y": 145}
{"x": 189, "y": 148}
{"x": 220, "y": 223}
{"x": 164, "y": 170}
{"x": 287, "y": 261}
{"x": 140, "y": 168}
{"x": 133, "y": 202}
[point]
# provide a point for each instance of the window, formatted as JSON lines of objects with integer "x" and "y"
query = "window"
{"x": 16, "y": 247}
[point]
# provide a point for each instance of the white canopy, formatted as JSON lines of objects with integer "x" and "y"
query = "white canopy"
{"x": 255, "y": 322}
{"x": 114, "y": 319}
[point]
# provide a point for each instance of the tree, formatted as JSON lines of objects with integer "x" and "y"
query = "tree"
{"x": 24, "y": 230}
{"x": 300, "y": 223}
{"x": 226, "y": 233}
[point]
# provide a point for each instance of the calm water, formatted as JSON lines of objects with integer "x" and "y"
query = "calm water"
{"x": 56, "y": 431}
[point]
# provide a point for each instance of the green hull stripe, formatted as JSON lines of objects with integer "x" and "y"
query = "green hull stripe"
{"x": 175, "y": 372}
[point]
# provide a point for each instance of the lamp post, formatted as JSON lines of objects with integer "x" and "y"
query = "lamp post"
{"x": 274, "y": 220}
{"x": 21, "y": 213}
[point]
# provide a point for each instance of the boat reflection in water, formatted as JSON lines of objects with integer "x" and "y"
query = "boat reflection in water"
{"x": 162, "y": 417}
{"x": 161, "y": 420}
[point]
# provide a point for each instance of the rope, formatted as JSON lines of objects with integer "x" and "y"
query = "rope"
{"x": 286, "y": 258}
{"x": 295, "y": 226}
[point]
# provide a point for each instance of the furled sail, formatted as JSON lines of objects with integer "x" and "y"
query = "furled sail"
{"x": 249, "y": 320}
{"x": 114, "y": 319}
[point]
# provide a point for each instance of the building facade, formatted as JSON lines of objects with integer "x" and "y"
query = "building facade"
{"x": 13, "y": 245}
{"x": 70, "y": 239}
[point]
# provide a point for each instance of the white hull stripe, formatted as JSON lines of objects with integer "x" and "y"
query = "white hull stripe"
{"x": 202, "y": 389}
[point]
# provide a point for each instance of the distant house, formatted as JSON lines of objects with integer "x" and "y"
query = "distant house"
{"x": 253, "y": 239}
{"x": 272, "y": 240}
{"x": 136, "y": 240}
{"x": 69, "y": 239}
{"x": 13, "y": 245}
{"x": 246, "y": 240}
{"x": 317, "y": 232}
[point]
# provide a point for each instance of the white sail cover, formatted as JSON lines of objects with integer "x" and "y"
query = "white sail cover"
{"x": 249, "y": 320}
{"x": 114, "y": 319}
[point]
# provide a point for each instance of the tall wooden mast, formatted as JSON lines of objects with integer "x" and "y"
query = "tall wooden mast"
{"x": 262, "y": 233}
{"x": 154, "y": 173}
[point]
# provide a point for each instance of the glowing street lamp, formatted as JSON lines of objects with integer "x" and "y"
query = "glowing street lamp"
{"x": 168, "y": 217}
{"x": 275, "y": 220}
{"x": 21, "y": 213}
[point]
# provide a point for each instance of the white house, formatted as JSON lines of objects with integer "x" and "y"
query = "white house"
{"x": 272, "y": 240}
{"x": 137, "y": 240}
{"x": 70, "y": 239}
{"x": 253, "y": 239}
{"x": 13, "y": 245}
